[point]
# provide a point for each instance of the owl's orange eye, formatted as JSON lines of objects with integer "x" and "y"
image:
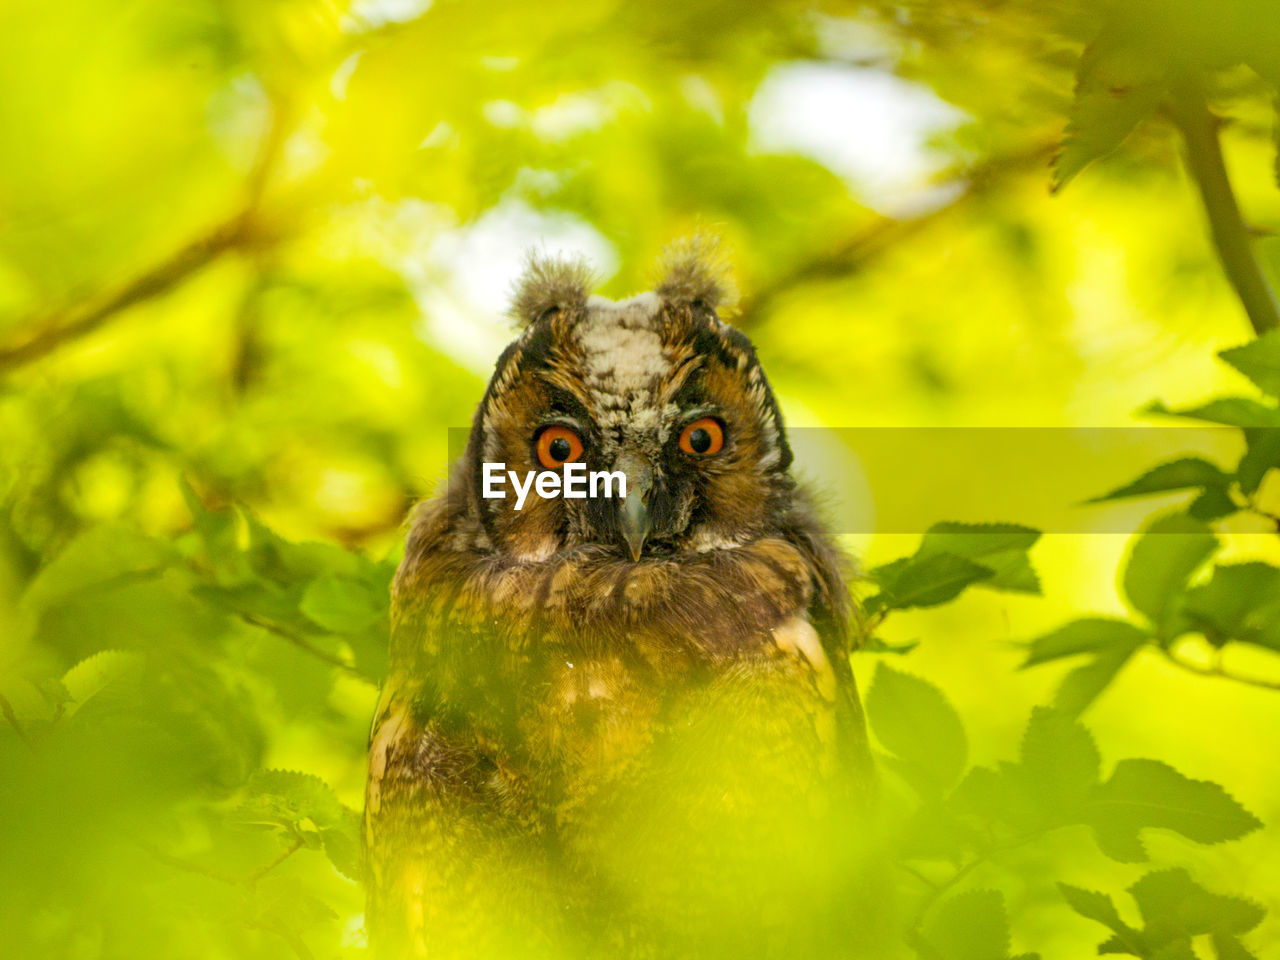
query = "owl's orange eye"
{"x": 557, "y": 446}
{"x": 703, "y": 437}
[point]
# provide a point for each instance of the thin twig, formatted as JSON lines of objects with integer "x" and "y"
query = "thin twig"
{"x": 1232, "y": 237}
{"x": 915, "y": 935}
{"x": 7, "y": 709}
{"x": 248, "y": 880}
{"x": 1216, "y": 669}
{"x": 931, "y": 884}
{"x": 941, "y": 889}
{"x": 300, "y": 642}
{"x": 187, "y": 867}
{"x": 263, "y": 870}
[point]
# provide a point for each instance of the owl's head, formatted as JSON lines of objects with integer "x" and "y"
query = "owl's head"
{"x": 657, "y": 387}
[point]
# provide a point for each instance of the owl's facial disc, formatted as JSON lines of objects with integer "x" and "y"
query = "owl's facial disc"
{"x": 657, "y": 387}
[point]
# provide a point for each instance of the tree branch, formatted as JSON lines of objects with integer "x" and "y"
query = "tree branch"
{"x": 300, "y": 642}
{"x": 248, "y": 880}
{"x": 62, "y": 327}
{"x": 75, "y": 323}
{"x": 266, "y": 868}
{"x": 1216, "y": 669}
{"x": 1232, "y": 237}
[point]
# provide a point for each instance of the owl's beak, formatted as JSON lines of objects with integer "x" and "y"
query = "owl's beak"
{"x": 633, "y": 515}
{"x": 636, "y": 525}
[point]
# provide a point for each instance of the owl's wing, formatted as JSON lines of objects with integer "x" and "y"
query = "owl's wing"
{"x": 828, "y": 617}
{"x": 454, "y": 863}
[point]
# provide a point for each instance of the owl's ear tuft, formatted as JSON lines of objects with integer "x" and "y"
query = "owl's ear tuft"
{"x": 550, "y": 284}
{"x": 696, "y": 271}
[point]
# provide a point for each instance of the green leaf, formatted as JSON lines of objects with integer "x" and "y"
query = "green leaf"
{"x": 1081, "y": 686}
{"x": 878, "y": 645}
{"x": 1117, "y": 87}
{"x": 94, "y": 558}
{"x": 1229, "y": 411}
{"x": 977, "y": 540}
{"x": 1215, "y": 503}
{"x": 299, "y": 802}
{"x": 1172, "y": 903}
{"x": 1144, "y": 794}
{"x": 1259, "y": 360}
{"x": 1001, "y": 547}
{"x": 1163, "y": 559}
{"x": 1091, "y": 904}
{"x": 342, "y": 604}
{"x": 1185, "y": 474}
{"x": 1228, "y": 947}
{"x": 915, "y": 722}
{"x": 292, "y": 564}
{"x": 1086, "y": 635}
{"x": 342, "y": 845}
{"x": 1011, "y": 573}
{"x": 1057, "y": 771}
{"x": 1235, "y": 603}
{"x": 219, "y": 535}
{"x": 88, "y": 677}
{"x": 1059, "y": 759}
{"x": 1099, "y": 907}
{"x": 925, "y": 581}
{"x": 1174, "y": 909}
{"x": 1262, "y": 456}
{"x": 971, "y": 926}
{"x": 995, "y": 798}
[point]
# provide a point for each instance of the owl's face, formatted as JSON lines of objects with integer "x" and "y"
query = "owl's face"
{"x": 657, "y": 387}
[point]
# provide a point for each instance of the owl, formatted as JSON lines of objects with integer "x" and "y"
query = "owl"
{"x": 618, "y": 726}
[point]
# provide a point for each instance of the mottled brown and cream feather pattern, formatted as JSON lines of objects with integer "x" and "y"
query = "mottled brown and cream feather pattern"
{"x": 558, "y": 702}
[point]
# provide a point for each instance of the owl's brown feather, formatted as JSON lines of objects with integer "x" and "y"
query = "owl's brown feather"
{"x": 579, "y": 752}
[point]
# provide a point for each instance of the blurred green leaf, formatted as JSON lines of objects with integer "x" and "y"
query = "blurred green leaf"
{"x": 290, "y": 799}
{"x": 1212, "y": 504}
{"x": 342, "y": 845}
{"x": 977, "y": 540}
{"x": 1002, "y": 547}
{"x": 1229, "y": 411}
{"x": 1117, "y": 86}
{"x": 972, "y": 926}
{"x": 1174, "y": 909}
{"x": 1099, "y": 907}
{"x": 1261, "y": 456}
{"x": 925, "y": 581}
{"x": 92, "y": 674}
{"x": 1085, "y": 683}
{"x": 1235, "y": 601}
{"x": 1259, "y": 360}
{"x": 1087, "y": 635}
{"x": 96, "y": 557}
{"x": 1185, "y": 474}
{"x": 914, "y": 721}
{"x": 1143, "y": 794}
{"x": 1162, "y": 561}
{"x": 1059, "y": 759}
{"x": 344, "y": 605}
{"x": 1056, "y": 772}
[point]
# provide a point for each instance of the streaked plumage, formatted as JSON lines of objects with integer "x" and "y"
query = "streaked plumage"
{"x": 608, "y": 723}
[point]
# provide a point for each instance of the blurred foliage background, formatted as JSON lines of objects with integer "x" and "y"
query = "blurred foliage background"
{"x": 253, "y": 267}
